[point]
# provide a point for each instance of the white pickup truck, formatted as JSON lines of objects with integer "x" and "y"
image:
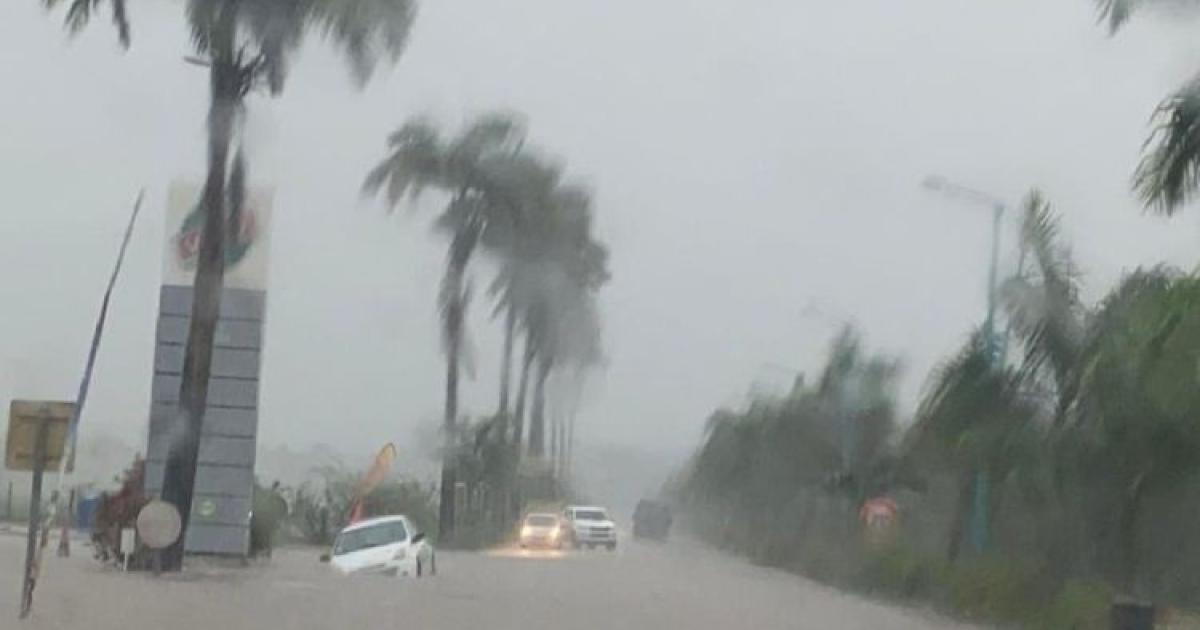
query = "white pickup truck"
{"x": 590, "y": 527}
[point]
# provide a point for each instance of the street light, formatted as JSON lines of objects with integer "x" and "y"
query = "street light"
{"x": 937, "y": 183}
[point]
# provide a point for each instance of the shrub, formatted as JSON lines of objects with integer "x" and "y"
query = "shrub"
{"x": 899, "y": 571}
{"x": 998, "y": 589}
{"x": 1077, "y": 606}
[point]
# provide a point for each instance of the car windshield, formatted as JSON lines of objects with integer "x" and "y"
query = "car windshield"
{"x": 541, "y": 520}
{"x": 590, "y": 515}
{"x": 367, "y": 537}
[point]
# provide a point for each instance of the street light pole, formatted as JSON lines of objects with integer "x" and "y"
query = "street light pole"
{"x": 979, "y": 511}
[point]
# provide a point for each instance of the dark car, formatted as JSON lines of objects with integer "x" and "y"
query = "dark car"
{"x": 651, "y": 519}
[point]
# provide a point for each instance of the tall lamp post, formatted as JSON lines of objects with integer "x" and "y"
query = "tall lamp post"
{"x": 995, "y": 346}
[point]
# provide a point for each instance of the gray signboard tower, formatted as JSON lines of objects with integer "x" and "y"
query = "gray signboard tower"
{"x": 220, "y": 515}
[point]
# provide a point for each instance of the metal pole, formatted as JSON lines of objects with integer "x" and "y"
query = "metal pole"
{"x": 64, "y": 543}
{"x": 979, "y": 521}
{"x": 35, "y": 500}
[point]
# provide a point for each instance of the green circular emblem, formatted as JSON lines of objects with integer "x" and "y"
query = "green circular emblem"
{"x": 206, "y": 508}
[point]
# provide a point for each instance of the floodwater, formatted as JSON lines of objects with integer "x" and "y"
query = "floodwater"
{"x": 677, "y": 585}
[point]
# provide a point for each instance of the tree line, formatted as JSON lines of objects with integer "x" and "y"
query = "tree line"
{"x": 1087, "y": 433}
{"x": 514, "y": 204}
{"x": 1063, "y": 457}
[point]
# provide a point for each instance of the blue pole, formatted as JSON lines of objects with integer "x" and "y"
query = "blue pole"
{"x": 979, "y": 512}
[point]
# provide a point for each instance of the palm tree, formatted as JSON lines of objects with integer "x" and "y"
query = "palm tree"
{"x": 518, "y": 245}
{"x": 1169, "y": 173}
{"x": 1137, "y": 432}
{"x": 771, "y": 466}
{"x": 79, "y": 13}
{"x": 541, "y": 335}
{"x": 1043, "y": 304}
{"x": 562, "y": 329}
{"x": 246, "y": 45}
{"x": 580, "y": 349}
{"x": 973, "y": 420}
{"x": 471, "y": 168}
{"x": 553, "y": 245}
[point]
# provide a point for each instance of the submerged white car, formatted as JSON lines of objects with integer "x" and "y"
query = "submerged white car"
{"x": 590, "y": 527}
{"x": 387, "y": 545}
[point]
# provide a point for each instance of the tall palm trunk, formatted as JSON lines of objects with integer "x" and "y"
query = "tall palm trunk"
{"x": 510, "y": 329}
{"x": 537, "y": 416}
{"x": 962, "y": 511}
{"x": 522, "y": 390}
{"x": 449, "y": 479}
{"x": 562, "y": 445}
{"x": 1127, "y": 530}
{"x": 569, "y": 460}
{"x": 454, "y": 307}
{"x": 180, "y": 470}
{"x": 553, "y": 439}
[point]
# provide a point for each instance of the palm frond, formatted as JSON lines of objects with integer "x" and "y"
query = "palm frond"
{"x": 365, "y": 30}
{"x": 1169, "y": 174}
{"x": 202, "y": 21}
{"x": 278, "y": 27}
{"x": 1117, "y": 12}
{"x": 1043, "y": 306}
{"x": 973, "y": 411}
{"x": 80, "y": 12}
{"x": 413, "y": 163}
{"x": 120, "y": 18}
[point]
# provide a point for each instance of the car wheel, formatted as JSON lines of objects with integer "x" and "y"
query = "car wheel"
{"x": 432, "y": 564}
{"x": 418, "y": 567}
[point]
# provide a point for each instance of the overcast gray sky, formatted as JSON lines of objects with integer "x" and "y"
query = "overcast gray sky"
{"x": 751, "y": 160}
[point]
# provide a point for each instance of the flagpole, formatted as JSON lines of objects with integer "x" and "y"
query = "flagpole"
{"x": 85, "y": 382}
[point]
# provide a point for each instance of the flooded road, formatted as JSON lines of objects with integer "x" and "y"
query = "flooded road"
{"x": 679, "y": 585}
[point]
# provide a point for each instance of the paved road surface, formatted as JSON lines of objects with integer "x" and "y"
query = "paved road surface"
{"x": 680, "y": 585}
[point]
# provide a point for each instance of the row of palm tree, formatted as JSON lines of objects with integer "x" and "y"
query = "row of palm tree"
{"x": 766, "y": 475}
{"x": 247, "y": 46}
{"x": 1089, "y": 436}
{"x": 1103, "y": 405}
{"x": 513, "y": 204}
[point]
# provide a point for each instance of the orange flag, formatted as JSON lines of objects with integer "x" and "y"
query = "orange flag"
{"x": 375, "y": 475}
{"x": 356, "y": 513}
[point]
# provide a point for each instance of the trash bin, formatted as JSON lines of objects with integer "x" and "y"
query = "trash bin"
{"x": 85, "y": 511}
{"x": 1132, "y": 616}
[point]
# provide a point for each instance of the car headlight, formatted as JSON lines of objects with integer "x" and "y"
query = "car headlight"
{"x": 526, "y": 532}
{"x": 554, "y": 533}
{"x": 401, "y": 554}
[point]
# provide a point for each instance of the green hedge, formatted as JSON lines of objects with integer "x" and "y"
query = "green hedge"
{"x": 990, "y": 589}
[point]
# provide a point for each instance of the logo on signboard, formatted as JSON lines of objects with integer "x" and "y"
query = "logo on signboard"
{"x": 206, "y": 508}
{"x": 238, "y": 242}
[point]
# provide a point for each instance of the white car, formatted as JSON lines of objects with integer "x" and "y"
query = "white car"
{"x": 590, "y": 527}
{"x": 387, "y": 545}
{"x": 542, "y": 530}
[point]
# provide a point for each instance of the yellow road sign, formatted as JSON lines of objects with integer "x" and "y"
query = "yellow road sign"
{"x": 24, "y": 418}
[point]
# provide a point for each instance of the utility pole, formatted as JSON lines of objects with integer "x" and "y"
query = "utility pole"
{"x": 994, "y": 346}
